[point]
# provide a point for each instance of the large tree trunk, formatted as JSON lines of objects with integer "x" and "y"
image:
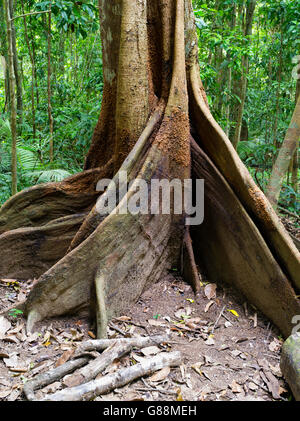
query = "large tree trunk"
{"x": 154, "y": 124}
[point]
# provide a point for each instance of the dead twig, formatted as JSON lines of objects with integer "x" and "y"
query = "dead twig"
{"x": 218, "y": 318}
{"x": 105, "y": 384}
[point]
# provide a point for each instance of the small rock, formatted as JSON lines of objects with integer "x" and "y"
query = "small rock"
{"x": 290, "y": 363}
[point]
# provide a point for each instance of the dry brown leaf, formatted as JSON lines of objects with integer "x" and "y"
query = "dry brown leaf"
{"x": 253, "y": 386}
{"x": 197, "y": 367}
{"x": 65, "y": 357}
{"x": 73, "y": 380}
{"x": 11, "y": 339}
{"x": 160, "y": 375}
{"x": 275, "y": 345}
{"x": 273, "y": 384}
{"x": 179, "y": 395}
{"x": 4, "y": 393}
{"x": 3, "y": 354}
{"x": 91, "y": 334}
{"x": 210, "y": 291}
{"x": 123, "y": 319}
{"x": 5, "y": 325}
{"x": 210, "y": 341}
{"x": 52, "y": 388}
{"x": 235, "y": 387}
{"x": 208, "y": 305}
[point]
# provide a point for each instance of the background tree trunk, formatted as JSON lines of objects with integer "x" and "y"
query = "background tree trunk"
{"x": 13, "y": 110}
{"x": 285, "y": 156}
{"x": 245, "y": 69}
{"x": 49, "y": 72}
{"x": 18, "y": 79}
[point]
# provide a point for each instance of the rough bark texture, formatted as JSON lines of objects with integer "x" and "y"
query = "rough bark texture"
{"x": 154, "y": 113}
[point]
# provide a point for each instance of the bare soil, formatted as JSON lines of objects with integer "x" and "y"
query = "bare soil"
{"x": 228, "y": 355}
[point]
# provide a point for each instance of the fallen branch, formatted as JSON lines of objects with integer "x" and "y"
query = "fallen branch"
{"x": 101, "y": 344}
{"x": 89, "y": 391}
{"x": 51, "y": 376}
{"x": 115, "y": 349}
{"x": 90, "y": 371}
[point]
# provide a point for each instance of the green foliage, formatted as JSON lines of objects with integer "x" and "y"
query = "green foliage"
{"x": 77, "y": 83}
{"x": 14, "y": 312}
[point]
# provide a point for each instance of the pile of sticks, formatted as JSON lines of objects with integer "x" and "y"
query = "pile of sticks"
{"x": 91, "y": 358}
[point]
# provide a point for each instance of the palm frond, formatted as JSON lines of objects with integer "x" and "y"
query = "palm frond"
{"x": 45, "y": 176}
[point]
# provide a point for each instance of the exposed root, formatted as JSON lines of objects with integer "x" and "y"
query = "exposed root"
{"x": 230, "y": 248}
{"x": 130, "y": 251}
{"x": 27, "y": 253}
{"x": 44, "y": 203}
{"x": 220, "y": 150}
{"x": 189, "y": 270}
{"x": 129, "y": 167}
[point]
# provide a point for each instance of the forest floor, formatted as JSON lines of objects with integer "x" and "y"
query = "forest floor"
{"x": 231, "y": 352}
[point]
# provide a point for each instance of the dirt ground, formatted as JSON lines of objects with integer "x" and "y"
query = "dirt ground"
{"x": 230, "y": 351}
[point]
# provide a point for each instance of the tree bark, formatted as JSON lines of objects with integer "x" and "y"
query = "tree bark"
{"x": 286, "y": 153}
{"x": 16, "y": 66}
{"x": 154, "y": 124}
{"x": 50, "y": 116}
{"x": 13, "y": 110}
{"x": 32, "y": 72}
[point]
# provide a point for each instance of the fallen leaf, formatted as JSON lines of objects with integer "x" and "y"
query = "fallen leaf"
{"x": 123, "y": 319}
{"x": 52, "y": 388}
{"x": 65, "y": 357}
{"x": 233, "y": 312}
{"x": 3, "y": 354}
{"x": 235, "y": 387}
{"x": 160, "y": 375}
{"x": 252, "y": 386}
{"x": 208, "y": 305}
{"x": 276, "y": 370}
{"x": 179, "y": 395}
{"x": 210, "y": 291}
{"x": 14, "y": 395}
{"x": 91, "y": 334}
{"x": 197, "y": 367}
{"x": 235, "y": 353}
{"x": 275, "y": 345}
{"x": 210, "y": 341}
{"x": 273, "y": 384}
{"x": 150, "y": 350}
{"x": 190, "y": 300}
{"x": 73, "y": 380}
{"x": 5, "y": 325}
{"x": 4, "y": 393}
{"x": 33, "y": 337}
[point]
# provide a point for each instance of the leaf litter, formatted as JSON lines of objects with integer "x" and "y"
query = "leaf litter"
{"x": 231, "y": 364}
